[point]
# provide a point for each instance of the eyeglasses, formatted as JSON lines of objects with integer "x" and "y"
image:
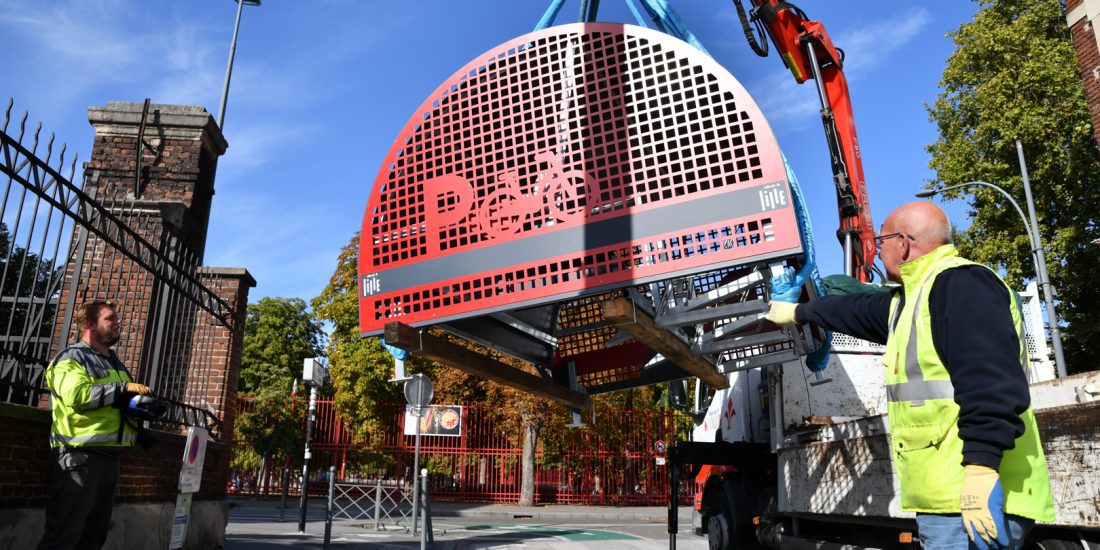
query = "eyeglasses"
{"x": 880, "y": 238}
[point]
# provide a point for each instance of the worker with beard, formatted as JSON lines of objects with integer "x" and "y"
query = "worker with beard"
{"x": 89, "y": 390}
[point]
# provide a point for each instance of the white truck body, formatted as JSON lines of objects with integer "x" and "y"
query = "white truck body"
{"x": 832, "y": 439}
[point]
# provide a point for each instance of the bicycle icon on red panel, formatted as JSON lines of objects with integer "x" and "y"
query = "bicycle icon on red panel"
{"x": 558, "y": 195}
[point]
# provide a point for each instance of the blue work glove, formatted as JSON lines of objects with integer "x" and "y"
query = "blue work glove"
{"x": 396, "y": 352}
{"x": 983, "y": 507}
{"x": 787, "y": 286}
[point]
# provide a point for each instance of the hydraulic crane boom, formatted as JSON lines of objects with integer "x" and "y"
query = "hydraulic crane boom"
{"x": 809, "y": 53}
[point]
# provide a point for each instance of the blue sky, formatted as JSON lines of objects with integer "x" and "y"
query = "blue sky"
{"x": 321, "y": 88}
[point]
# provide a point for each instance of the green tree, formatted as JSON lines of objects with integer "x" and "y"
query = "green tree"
{"x": 36, "y": 280}
{"x": 279, "y": 334}
{"x": 272, "y": 424}
{"x": 360, "y": 367}
{"x": 1014, "y": 76}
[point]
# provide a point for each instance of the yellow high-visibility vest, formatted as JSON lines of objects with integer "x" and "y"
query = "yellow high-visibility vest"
{"x": 83, "y": 388}
{"x": 924, "y": 417}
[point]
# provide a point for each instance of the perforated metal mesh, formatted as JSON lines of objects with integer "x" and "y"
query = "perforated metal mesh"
{"x": 842, "y": 343}
{"x": 565, "y": 129}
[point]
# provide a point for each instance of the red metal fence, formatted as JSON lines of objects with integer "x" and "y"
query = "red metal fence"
{"x": 612, "y": 463}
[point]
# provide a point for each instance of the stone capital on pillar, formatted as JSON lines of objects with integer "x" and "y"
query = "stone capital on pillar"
{"x": 175, "y": 162}
{"x": 185, "y": 122}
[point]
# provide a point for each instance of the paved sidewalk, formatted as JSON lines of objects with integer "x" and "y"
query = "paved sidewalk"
{"x": 255, "y": 524}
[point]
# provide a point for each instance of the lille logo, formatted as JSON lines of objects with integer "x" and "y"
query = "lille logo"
{"x": 371, "y": 284}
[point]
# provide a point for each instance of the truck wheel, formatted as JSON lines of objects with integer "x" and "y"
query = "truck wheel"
{"x": 1056, "y": 545}
{"x": 726, "y": 529}
{"x": 719, "y": 527}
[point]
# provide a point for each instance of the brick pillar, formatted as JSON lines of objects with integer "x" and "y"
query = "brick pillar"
{"x": 168, "y": 340}
{"x": 221, "y": 365}
{"x": 168, "y": 206}
{"x": 1083, "y": 18}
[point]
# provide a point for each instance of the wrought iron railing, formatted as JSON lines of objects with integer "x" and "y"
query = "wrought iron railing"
{"x": 63, "y": 243}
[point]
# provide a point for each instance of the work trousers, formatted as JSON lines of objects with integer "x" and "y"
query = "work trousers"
{"x": 82, "y": 493}
{"x": 946, "y": 532}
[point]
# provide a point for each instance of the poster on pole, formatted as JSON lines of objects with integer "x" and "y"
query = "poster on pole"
{"x": 445, "y": 420}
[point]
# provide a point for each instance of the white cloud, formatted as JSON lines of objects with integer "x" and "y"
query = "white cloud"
{"x": 256, "y": 142}
{"x": 65, "y": 30}
{"x": 870, "y": 46}
{"x": 786, "y": 103}
{"x": 277, "y": 241}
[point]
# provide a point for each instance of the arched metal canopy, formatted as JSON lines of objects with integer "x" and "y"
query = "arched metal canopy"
{"x": 565, "y": 162}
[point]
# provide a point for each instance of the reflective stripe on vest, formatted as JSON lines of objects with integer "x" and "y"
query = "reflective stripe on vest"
{"x": 916, "y": 390}
{"x": 58, "y": 439}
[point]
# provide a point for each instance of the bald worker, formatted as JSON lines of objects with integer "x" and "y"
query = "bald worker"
{"x": 964, "y": 439}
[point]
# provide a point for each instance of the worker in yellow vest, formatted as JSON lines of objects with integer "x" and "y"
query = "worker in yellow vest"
{"x": 89, "y": 389}
{"x": 964, "y": 439}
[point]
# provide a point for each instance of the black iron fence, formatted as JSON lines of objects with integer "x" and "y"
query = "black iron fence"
{"x": 62, "y": 244}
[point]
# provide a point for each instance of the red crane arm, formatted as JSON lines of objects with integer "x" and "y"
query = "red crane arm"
{"x": 809, "y": 53}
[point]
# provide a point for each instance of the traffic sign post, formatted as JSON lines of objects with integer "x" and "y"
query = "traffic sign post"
{"x": 314, "y": 374}
{"x": 194, "y": 454}
{"x": 418, "y": 392}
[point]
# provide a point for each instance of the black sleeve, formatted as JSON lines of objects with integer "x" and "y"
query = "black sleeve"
{"x": 863, "y": 315}
{"x": 974, "y": 335}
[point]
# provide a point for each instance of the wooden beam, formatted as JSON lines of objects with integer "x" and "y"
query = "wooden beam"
{"x": 443, "y": 352}
{"x": 623, "y": 313}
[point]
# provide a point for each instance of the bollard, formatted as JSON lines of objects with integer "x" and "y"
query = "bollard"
{"x": 673, "y": 495}
{"x": 377, "y": 501}
{"x": 427, "y": 512}
{"x": 427, "y": 529}
{"x": 286, "y": 488}
{"x": 328, "y": 511}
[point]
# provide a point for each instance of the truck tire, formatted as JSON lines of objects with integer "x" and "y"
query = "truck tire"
{"x": 728, "y": 528}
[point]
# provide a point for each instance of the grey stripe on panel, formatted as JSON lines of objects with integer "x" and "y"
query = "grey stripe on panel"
{"x": 572, "y": 240}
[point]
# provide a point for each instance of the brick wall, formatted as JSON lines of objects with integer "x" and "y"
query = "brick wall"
{"x": 1081, "y": 16}
{"x": 24, "y": 448}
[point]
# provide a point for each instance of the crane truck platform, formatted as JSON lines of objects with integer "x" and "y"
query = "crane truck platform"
{"x": 606, "y": 203}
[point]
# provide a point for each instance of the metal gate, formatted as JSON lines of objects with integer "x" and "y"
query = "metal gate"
{"x": 62, "y": 244}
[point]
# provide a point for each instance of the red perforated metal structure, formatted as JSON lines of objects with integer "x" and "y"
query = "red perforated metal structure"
{"x": 564, "y": 163}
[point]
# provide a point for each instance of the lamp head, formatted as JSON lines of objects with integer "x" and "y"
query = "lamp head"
{"x": 926, "y": 193}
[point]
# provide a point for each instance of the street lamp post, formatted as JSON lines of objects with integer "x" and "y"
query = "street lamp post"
{"x": 1036, "y": 250}
{"x": 1041, "y": 268}
{"x": 232, "y": 53}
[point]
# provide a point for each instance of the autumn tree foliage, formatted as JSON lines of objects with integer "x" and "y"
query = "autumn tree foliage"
{"x": 1014, "y": 76}
{"x": 279, "y": 334}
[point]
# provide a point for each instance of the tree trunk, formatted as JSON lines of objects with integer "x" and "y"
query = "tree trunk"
{"x": 530, "y": 444}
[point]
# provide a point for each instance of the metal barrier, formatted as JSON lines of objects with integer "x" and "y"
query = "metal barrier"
{"x": 380, "y": 505}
